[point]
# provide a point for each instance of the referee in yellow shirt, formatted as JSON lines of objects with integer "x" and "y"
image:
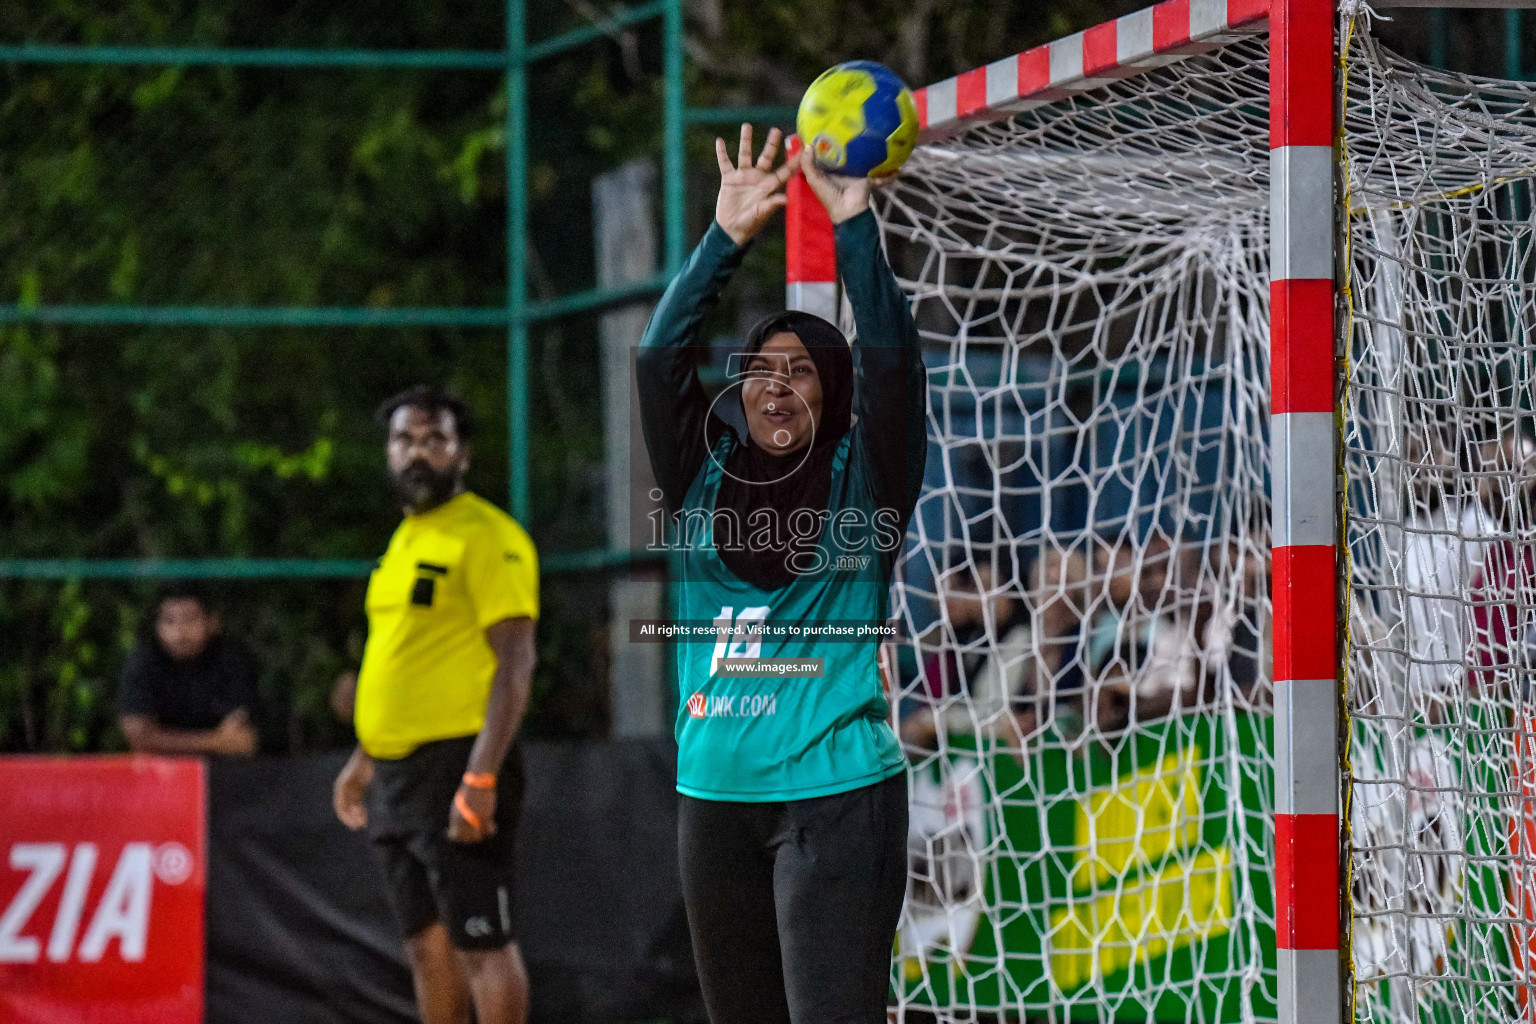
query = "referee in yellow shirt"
{"x": 444, "y": 682}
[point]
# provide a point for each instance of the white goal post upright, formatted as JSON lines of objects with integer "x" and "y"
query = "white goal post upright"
{"x": 1310, "y": 901}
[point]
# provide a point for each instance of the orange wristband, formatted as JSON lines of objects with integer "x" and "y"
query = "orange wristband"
{"x": 468, "y": 815}
{"x": 480, "y": 780}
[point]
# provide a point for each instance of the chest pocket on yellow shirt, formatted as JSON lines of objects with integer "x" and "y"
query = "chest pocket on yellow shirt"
{"x": 424, "y": 590}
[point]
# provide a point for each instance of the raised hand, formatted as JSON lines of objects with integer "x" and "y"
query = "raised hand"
{"x": 844, "y": 197}
{"x": 750, "y": 191}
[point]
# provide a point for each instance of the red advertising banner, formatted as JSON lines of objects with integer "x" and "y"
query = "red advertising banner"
{"x": 102, "y": 875}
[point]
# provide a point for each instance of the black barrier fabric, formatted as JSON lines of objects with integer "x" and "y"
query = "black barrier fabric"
{"x": 299, "y": 928}
{"x": 297, "y": 922}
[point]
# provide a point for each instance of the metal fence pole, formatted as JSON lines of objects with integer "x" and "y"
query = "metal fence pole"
{"x": 517, "y": 246}
{"x": 673, "y": 158}
{"x": 1513, "y": 68}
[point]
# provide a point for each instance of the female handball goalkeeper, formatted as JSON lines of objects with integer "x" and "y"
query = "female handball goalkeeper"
{"x": 793, "y": 820}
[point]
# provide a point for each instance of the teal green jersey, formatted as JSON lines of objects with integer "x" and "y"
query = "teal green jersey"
{"x": 791, "y": 738}
{"x": 786, "y": 738}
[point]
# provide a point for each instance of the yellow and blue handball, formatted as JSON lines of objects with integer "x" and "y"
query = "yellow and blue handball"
{"x": 858, "y": 119}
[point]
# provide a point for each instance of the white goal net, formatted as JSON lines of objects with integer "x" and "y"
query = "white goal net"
{"x": 1440, "y": 460}
{"x": 1085, "y": 693}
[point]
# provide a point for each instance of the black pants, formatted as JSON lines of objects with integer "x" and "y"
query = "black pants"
{"x": 794, "y": 906}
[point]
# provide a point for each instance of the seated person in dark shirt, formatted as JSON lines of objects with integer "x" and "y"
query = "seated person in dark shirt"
{"x": 188, "y": 689}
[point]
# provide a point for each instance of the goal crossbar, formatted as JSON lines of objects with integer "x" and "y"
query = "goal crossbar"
{"x": 1127, "y": 46}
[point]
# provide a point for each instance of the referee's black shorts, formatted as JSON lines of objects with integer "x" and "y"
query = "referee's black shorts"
{"x": 466, "y": 886}
{"x": 793, "y": 906}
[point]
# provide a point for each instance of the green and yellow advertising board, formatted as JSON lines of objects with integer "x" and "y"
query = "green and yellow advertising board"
{"x": 1093, "y": 879}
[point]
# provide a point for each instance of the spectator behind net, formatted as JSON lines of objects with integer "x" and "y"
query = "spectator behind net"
{"x": 188, "y": 689}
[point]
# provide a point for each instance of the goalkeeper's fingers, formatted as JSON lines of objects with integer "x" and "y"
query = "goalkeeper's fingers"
{"x": 770, "y": 150}
{"x": 744, "y": 147}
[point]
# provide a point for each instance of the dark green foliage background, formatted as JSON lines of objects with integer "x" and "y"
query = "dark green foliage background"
{"x": 271, "y": 187}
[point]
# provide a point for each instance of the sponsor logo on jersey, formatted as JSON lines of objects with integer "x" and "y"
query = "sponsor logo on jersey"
{"x": 745, "y": 705}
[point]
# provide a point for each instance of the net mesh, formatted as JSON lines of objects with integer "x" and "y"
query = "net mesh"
{"x": 1084, "y": 696}
{"x": 1085, "y": 692}
{"x": 1440, "y": 464}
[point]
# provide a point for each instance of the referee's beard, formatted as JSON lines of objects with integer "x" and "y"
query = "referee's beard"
{"x": 420, "y": 488}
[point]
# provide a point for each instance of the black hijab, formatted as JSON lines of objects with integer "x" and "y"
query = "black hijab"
{"x": 757, "y": 479}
